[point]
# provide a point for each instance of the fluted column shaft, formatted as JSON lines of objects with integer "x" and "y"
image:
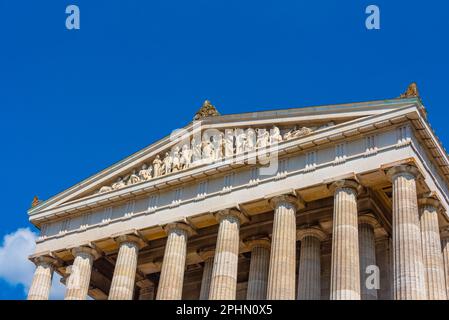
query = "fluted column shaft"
{"x": 281, "y": 274}
{"x": 445, "y": 247}
{"x": 432, "y": 251}
{"x": 258, "y": 270}
{"x": 207, "y": 275}
{"x": 224, "y": 272}
{"x": 384, "y": 259}
{"x": 408, "y": 267}
{"x": 345, "y": 264}
{"x": 309, "y": 274}
{"x": 173, "y": 266}
{"x": 123, "y": 280}
{"x": 41, "y": 285}
{"x": 79, "y": 278}
{"x": 367, "y": 246}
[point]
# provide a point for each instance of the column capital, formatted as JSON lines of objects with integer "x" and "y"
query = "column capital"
{"x": 84, "y": 249}
{"x": 403, "y": 169}
{"x": 369, "y": 219}
{"x": 345, "y": 184}
{"x": 206, "y": 253}
{"x": 130, "y": 238}
{"x": 179, "y": 227}
{"x": 296, "y": 201}
{"x": 314, "y": 232}
{"x": 430, "y": 199}
{"x": 232, "y": 212}
{"x": 254, "y": 242}
{"x": 45, "y": 259}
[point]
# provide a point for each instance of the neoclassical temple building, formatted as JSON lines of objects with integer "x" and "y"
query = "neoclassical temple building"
{"x": 335, "y": 202}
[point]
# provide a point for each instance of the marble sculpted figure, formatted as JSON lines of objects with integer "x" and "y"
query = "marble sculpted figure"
{"x": 213, "y": 146}
{"x": 217, "y": 142}
{"x": 167, "y": 163}
{"x": 118, "y": 184}
{"x": 240, "y": 138}
{"x": 157, "y": 166}
{"x": 196, "y": 150}
{"x": 276, "y": 136}
{"x": 186, "y": 156}
{"x": 176, "y": 160}
{"x": 145, "y": 172}
{"x": 229, "y": 142}
{"x": 251, "y": 140}
{"x": 263, "y": 138}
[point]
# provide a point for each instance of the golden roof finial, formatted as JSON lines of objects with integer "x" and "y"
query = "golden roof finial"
{"x": 412, "y": 91}
{"x": 35, "y": 202}
{"x": 206, "y": 110}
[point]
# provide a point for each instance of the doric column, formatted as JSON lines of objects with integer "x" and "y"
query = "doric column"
{"x": 174, "y": 262}
{"x": 79, "y": 273}
{"x": 367, "y": 246}
{"x": 258, "y": 269}
{"x": 123, "y": 280}
{"x": 345, "y": 264}
{"x": 224, "y": 273}
{"x": 281, "y": 274}
{"x": 309, "y": 274}
{"x": 146, "y": 289}
{"x": 431, "y": 246}
{"x": 445, "y": 246}
{"x": 208, "y": 257}
{"x": 384, "y": 259}
{"x": 408, "y": 267}
{"x": 41, "y": 285}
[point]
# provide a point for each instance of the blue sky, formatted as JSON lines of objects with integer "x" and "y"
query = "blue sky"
{"x": 74, "y": 102}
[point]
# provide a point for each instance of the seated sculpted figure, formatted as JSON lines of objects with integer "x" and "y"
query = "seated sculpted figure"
{"x": 118, "y": 184}
{"x": 276, "y": 136}
{"x": 296, "y": 133}
{"x": 133, "y": 178}
{"x": 105, "y": 189}
{"x": 145, "y": 172}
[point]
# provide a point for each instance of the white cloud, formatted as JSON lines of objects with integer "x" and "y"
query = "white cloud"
{"x": 16, "y": 269}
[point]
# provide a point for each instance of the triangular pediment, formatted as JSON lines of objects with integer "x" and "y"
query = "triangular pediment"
{"x": 211, "y": 136}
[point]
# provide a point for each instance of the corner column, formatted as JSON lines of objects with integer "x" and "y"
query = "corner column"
{"x": 309, "y": 274}
{"x": 41, "y": 285}
{"x": 408, "y": 266}
{"x": 123, "y": 280}
{"x": 431, "y": 246}
{"x": 367, "y": 246}
{"x": 258, "y": 269}
{"x": 174, "y": 262}
{"x": 282, "y": 270}
{"x": 79, "y": 278}
{"x": 345, "y": 264}
{"x": 224, "y": 272}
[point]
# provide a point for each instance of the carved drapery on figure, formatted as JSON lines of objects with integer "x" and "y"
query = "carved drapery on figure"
{"x": 210, "y": 148}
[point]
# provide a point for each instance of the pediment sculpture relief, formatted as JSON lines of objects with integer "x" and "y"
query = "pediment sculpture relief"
{"x": 210, "y": 147}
